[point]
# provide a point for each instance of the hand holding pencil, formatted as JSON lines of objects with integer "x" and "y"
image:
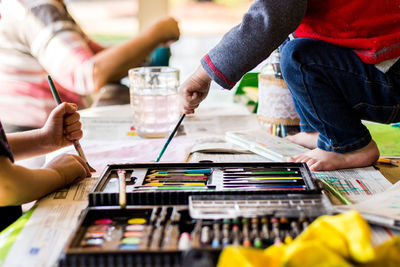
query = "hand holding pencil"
{"x": 70, "y": 123}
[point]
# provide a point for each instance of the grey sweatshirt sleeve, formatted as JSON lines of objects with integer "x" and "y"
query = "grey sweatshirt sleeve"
{"x": 263, "y": 28}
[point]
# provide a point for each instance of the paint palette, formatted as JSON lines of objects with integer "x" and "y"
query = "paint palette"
{"x": 173, "y": 183}
{"x": 170, "y": 236}
{"x": 184, "y": 214}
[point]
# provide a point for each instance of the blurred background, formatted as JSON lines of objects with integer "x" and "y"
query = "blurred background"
{"x": 202, "y": 23}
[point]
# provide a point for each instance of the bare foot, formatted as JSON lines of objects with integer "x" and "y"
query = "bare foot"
{"x": 321, "y": 160}
{"x": 306, "y": 139}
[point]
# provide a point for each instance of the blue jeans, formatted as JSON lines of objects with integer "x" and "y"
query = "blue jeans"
{"x": 333, "y": 90}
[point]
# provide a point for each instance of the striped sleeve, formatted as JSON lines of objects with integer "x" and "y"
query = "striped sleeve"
{"x": 60, "y": 46}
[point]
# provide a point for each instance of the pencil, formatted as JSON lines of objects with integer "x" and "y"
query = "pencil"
{"x": 170, "y": 137}
{"x": 76, "y": 143}
{"x": 335, "y": 192}
{"x": 388, "y": 161}
{"x": 122, "y": 188}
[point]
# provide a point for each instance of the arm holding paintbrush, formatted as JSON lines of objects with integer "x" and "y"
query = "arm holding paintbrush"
{"x": 61, "y": 129}
{"x": 19, "y": 184}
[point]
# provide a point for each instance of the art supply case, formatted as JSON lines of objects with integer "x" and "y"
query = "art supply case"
{"x": 175, "y": 227}
{"x": 221, "y": 181}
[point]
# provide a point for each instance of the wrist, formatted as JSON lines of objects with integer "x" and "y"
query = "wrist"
{"x": 61, "y": 179}
{"x": 154, "y": 35}
{"x": 203, "y": 76}
{"x": 45, "y": 141}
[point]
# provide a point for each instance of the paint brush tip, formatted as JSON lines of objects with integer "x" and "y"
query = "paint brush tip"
{"x": 91, "y": 169}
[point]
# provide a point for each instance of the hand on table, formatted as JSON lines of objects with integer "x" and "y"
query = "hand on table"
{"x": 71, "y": 168}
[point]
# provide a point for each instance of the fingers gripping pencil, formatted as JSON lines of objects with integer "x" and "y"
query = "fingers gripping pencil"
{"x": 76, "y": 143}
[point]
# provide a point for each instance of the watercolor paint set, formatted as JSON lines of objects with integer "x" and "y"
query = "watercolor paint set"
{"x": 170, "y": 236}
{"x": 173, "y": 183}
{"x": 181, "y": 214}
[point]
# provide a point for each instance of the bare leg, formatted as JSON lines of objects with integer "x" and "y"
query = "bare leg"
{"x": 306, "y": 139}
{"x": 321, "y": 160}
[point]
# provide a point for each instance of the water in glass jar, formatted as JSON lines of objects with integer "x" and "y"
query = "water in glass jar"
{"x": 155, "y": 115}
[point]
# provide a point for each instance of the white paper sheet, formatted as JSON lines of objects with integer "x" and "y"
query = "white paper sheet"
{"x": 358, "y": 183}
{"x": 45, "y": 233}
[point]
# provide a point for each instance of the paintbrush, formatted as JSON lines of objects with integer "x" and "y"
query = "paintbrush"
{"x": 76, "y": 143}
{"x": 170, "y": 137}
{"x": 122, "y": 188}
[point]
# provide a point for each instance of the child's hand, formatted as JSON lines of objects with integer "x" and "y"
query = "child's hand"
{"x": 71, "y": 168}
{"x": 165, "y": 30}
{"x": 62, "y": 127}
{"x": 194, "y": 90}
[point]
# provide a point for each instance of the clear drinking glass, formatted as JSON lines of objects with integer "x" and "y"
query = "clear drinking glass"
{"x": 154, "y": 100}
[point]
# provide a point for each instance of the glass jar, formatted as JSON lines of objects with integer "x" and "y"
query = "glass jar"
{"x": 276, "y": 112}
{"x": 154, "y": 100}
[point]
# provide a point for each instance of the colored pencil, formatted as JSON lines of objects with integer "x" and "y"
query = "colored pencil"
{"x": 335, "y": 192}
{"x": 255, "y": 172}
{"x": 259, "y": 187}
{"x": 170, "y": 187}
{"x": 193, "y": 171}
{"x": 283, "y": 131}
{"x": 76, "y": 143}
{"x": 170, "y": 137}
{"x": 174, "y": 174}
{"x": 388, "y": 161}
{"x": 174, "y": 180}
{"x": 261, "y": 182}
{"x": 262, "y": 178}
{"x": 174, "y": 183}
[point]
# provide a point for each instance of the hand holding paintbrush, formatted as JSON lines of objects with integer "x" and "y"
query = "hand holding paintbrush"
{"x": 76, "y": 143}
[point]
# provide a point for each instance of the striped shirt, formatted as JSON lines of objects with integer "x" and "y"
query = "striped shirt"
{"x": 39, "y": 37}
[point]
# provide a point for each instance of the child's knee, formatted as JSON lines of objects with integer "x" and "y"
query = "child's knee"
{"x": 296, "y": 51}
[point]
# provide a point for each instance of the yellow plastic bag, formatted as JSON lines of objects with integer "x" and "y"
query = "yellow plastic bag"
{"x": 338, "y": 240}
{"x": 387, "y": 254}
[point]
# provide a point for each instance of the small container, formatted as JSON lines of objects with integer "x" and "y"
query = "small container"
{"x": 154, "y": 100}
{"x": 276, "y": 112}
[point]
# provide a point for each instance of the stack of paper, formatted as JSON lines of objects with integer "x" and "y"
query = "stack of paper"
{"x": 264, "y": 144}
{"x": 382, "y": 208}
